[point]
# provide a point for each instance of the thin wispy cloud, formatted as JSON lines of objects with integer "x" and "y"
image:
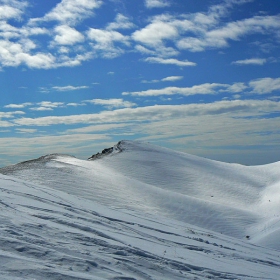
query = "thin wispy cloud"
{"x": 71, "y": 11}
{"x": 47, "y": 106}
{"x": 265, "y": 85}
{"x": 154, "y": 34}
{"x": 166, "y": 79}
{"x": 5, "y": 124}
{"x": 106, "y": 42}
{"x": 68, "y": 88}
{"x": 250, "y": 61}
{"x": 156, "y": 3}
{"x": 18, "y": 106}
{"x": 205, "y": 89}
{"x": 220, "y": 37}
{"x": 171, "y": 61}
{"x": 259, "y": 86}
{"x": 75, "y": 104}
{"x": 111, "y": 103}
{"x": 121, "y": 22}
{"x": 26, "y": 130}
{"x": 12, "y": 114}
{"x": 42, "y": 108}
{"x": 158, "y": 112}
{"x": 172, "y": 78}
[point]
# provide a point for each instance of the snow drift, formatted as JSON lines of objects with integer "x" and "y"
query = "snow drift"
{"x": 138, "y": 211}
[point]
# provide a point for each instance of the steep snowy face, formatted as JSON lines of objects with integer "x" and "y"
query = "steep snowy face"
{"x": 227, "y": 198}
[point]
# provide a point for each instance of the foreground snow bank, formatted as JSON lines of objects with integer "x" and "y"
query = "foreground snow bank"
{"x": 49, "y": 234}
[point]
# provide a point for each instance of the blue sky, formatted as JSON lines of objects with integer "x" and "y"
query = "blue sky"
{"x": 197, "y": 76}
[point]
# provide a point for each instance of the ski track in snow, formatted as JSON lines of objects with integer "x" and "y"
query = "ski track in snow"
{"x": 143, "y": 213}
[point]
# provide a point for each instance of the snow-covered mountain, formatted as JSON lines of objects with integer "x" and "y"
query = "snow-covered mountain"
{"x": 138, "y": 211}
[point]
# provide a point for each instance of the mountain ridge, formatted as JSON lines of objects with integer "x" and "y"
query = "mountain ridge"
{"x": 234, "y": 199}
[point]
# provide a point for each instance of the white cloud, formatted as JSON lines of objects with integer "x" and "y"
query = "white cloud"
{"x": 216, "y": 135}
{"x": 50, "y": 104}
{"x": 8, "y": 12}
{"x": 150, "y": 82}
{"x": 235, "y": 88}
{"x": 98, "y": 128}
{"x": 18, "y": 106}
{"x": 75, "y": 104}
{"x": 250, "y": 61}
{"x": 265, "y": 85}
{"x": 111, "y": 103}
{"x": 72, "y": 61}
{"x": 240, "y": 108}
{"x": 168, "y": 124}
{"x": 44, "y": 90}
{"x": 67, "y": 35}
{"x": 47, "y": 106}
{"x": 39, "y": 60}
{"x": 71, "y": 11}
{"x": 12, "y": 9}
{"x": 26, "y": 130}
{"x": 105, "y": 37}
{"x": 33, "y": 30}
{"x": 173, "y": 61}
{"x": 41, "y": 109}
{"x": 207, "y": 88}
{"x": 156, "y": 3}
{"x": 172, "y": 78}
{"x": 8, "y": 31}
{"x": 144, "y": 50}
{"x": 200, "y": 31}
{"x": 259, "y": 86}
{"x": 236, "y": 96}
{"x": 6, "y": 115}
{"x": 5, "y": 124}
{"x": 219, "y": 37}
{"x": 63, "y": 50}
{"x": 172, "y": 28}
{"x": 164, "y": 36}
{"x": 104, "y": 42}
{"x": 16, "y": 53}
{"x": 207, "y": 135}
{"x": 68, "y": 88}
{"x": 156, "y": 32}
{"x": 167, "y": 79}
{"x": 121, "y": 22}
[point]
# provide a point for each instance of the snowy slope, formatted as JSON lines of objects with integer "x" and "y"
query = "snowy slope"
{"x": 231, "y": 199}
{"x": 48, "y": 234}
{"x": 140, "y": 212}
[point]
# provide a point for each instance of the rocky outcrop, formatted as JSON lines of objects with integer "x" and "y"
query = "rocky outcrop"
{"x": 107, "y": 151}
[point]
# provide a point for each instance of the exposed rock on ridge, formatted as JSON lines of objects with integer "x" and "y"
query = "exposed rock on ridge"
{"x": 115, "y": 149}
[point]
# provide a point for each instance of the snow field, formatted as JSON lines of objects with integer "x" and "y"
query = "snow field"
{"x": 142, "y": 212}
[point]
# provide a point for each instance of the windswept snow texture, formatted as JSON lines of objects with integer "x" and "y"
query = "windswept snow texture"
{"x": 139, "y": 212}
